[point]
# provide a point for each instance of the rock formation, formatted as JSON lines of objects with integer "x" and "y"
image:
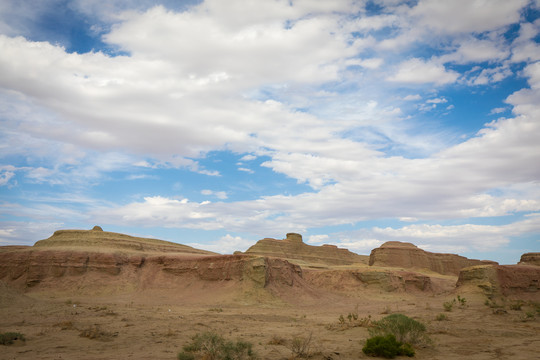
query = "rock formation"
{"x": 95, "y": 262}
{"x": 530, "y": 259}
{"x": 362, "y": 279}
{"x": 295, "y": 250}
{"x": 497, "y": 280}
{"x": 409, "y": 256}
{"x": 97, "y": 240}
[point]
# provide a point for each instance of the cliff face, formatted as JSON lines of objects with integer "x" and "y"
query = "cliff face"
{"x": 407, "y": 255}
{"x": 80, "y": 271}
{"x": 505, "y": 280}
{"x": 95, "y": 262}
{"x": 530, "y": 259}
{"x": 294, "y": 249}
{"x": 360, "y": 280}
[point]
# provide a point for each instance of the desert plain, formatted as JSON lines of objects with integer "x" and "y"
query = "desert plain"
{"x": 91, "y": 294}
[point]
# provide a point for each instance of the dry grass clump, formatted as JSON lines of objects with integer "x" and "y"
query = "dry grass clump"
{"x": 96, "y": 333}
{"x": 212, "y": 346}
{"x": 301, "y": 346}
{"x": 8, "y": 338}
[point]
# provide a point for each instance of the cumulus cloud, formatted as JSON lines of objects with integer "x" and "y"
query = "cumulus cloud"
{"x": 300, "y": 85}
{"x": 419, "y": 71}
{"x": 463, "y": 16}
{"x": 227, "y": 244}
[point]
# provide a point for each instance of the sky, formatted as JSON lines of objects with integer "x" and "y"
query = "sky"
{"x": 218, "y": 123}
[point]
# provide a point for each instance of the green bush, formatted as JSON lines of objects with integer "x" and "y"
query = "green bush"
{"x": 387, "y": 347}
{"x": 8, "y": 338}
{"x": 211, "y": 346}
{"x": 404, "y": 328}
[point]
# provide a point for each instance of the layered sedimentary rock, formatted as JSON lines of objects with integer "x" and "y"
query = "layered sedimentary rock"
{"x": 95, "y": 262}
{"x": 98, "y": 239}
{"x": 76, "y": 270}
{"x": 530, "y": 259}
{"x": 359, "y": 280}
{"x": 294, "y": 249}
{"x": 409, "y": 256}
{"x": 506, "y": 280}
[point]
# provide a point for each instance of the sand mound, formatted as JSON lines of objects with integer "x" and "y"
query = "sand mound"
{"x": 295, "y": 250}
{"x": 409, "y": 256}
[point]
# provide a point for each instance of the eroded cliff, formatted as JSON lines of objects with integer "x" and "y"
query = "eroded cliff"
{"x": 295, "y": 250}
{"x": 409, "y": 256}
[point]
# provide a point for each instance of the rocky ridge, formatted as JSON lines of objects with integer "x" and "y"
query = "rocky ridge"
{"x": 409, "y": 256}
{"x": 532, "y": 258}
{"x": 95, "y": 261}
{"x": 99, "y": 240}
{"x": 295, "y": 250}
{"x": 501, "y": 280}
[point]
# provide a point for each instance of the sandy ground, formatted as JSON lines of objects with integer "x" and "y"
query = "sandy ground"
{"x": 147, "y": 327}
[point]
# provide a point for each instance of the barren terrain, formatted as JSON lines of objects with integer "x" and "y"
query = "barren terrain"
{"x": 97, "y": 312}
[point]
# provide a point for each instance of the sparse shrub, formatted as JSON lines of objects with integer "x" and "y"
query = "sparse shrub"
{"x": 402, "y": 327}
{"x": 301, "y": 346}
{"x": 528, "y": 316}
{"x": 211, "y": 346}
{"x": 96, "y": 333}
{"x": 185, "y": 356}
{"x": 493, "y": 304}
{"x": 499, "y": 311}
{"x": 65, "y": 325}
{"x": 218, "y": 310}
{"x": 353, "y": 321}
{"x": 449, "y": 305}
{"x": 8, "y": 338}
{"x": 516, "y": 306}
{"x": 462, "y": 301}
{"x": 536, "y": 306}
{"x": 277, "y": 340}
{"x": 441, "y": 317}
{"x": 387, "y": 347}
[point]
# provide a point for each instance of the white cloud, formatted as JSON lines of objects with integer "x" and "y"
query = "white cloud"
{"x": 440, "y": 100}
{"x": 461, "y": 16}
{"x": 246, "y": 170}
{"x": 317, "y": 239}
{"x": 473, "y": 50}
{"x": 222, "y": 195}
{"x": 6, "y": 173}
{"x": 414, "y": 97}
{"x": 372, "y": 63}
{"x": 248, "y": 157}
{"x": 497, "y": 110}
{"x": 418, "y": 71}
{"x": 525, "y": 48}
{"x": 227, "y": 244}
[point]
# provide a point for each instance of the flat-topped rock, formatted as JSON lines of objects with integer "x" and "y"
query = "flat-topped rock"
{"x": 409, "y": 256}
{"x": 506, "y": 280}
{"x": 99, "y": 240}
{"x": 532, "y": 258}
{"x": 294, "y": 249}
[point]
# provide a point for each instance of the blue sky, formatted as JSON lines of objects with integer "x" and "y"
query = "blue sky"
{"x": 218, "y": 123}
